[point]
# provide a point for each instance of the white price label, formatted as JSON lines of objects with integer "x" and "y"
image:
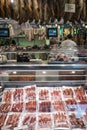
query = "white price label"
{"x": 70, "y": 8}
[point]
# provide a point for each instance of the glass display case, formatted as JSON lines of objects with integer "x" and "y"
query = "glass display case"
{"x": 43, "y": 96}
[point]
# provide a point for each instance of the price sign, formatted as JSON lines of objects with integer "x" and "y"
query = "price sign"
{"x": 70, "y": 8}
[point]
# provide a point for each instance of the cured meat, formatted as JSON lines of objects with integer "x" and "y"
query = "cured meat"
{"x": 45, "y": 106}
{"x": 85, "y": 116}
{"x": 30, "y": 106}
{"x": 68, "y": 93}
{"x": 35, "y": 7}
{"x": 13, "y": 120}
{"x": 79, "y": 8}
{"x": 80, "y": 95}
{"x": 44, "y": 121}
{"x": 30, "y": 93}
{"x": 2, "y": 13}
{"x": 17, "y": 107}
{"x": 56, "y": 94}
{"x": 58, "y": 106}
{"x": 7, "y": 96}
{"x": 30, "y": 121}
{"x": 76, "y": 122}
{"x": 60, "y": 120}
{"x": 5, "y": 108}
{"x": 83, "y": 13}
{"x": 7, "y": 8}
{"x": 21, "y": 12}
{"x": 44, "y": 94}
{"x": 2, "y": 119}
{"x": 15, "y": 8}
{"x": 18, "y": 95}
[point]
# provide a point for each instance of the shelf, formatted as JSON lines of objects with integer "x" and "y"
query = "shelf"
{"x": 43, "y": 84}
{"x": 42, "y": 66}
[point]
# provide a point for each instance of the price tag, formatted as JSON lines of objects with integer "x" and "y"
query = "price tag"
{"x": 70, "y": 8}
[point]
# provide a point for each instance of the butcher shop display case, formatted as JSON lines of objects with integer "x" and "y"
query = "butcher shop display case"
{"x": 43, "y": 96}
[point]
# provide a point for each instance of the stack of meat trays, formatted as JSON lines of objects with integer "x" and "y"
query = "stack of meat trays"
{"x": 18, "y": 109}
{"x": 44, "y": 109}
{"x": 76, "y": 120}
{"x": 81, "y": 98}
{"x": 59, "y": 115}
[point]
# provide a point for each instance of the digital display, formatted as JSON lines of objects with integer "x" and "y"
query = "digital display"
{"x": 4, "y": 32}
{"x": 52, "y": 32}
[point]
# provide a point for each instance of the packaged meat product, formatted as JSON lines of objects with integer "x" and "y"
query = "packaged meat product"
{"x": 30, "y": 93}
{"x": 60, "y": 120}
{"x": 58, "y": 106}
{"x": 18, "y": 95}
{"x": 44, "y": 121}
{"x": 12, "y": 120}
{"x": 68, "y": 92}
{"x": 7, "y": 96}
{"x": 44, "y": 94}
{"x": 71, "y": 105}
{"x": 5, "y": 107}
{"x": 2, "y": 119}
{"x": 30, "y": 106}
{"x": 17, "y": 107}
{"x": 76, "y": 120}
{"x": 29, "y": 120}
{"x": 45, "y": 106}
{"x": 56, "y": 94}
{"x": 85, "y": 116}
{"x": 80, "y": 94}
{"x": 83, "y": 108}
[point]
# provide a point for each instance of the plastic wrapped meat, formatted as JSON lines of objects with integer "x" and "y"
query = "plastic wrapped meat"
{"x": 18, "y": 95}
{"x": 17, "y": 107}
{"x": 76, "y": 121}
{"x": 58, "y": 106}
{"x": 80, "y": 95}
{"x": 44, "y": 121}
{"x": 30, "y": 93}
{"x": 60, "y": 120}
{"x": 7, "y": 96}
{"x": 56, "y": 94}
{"x": 71, "y": 105}
{"x": 2, "y": 119}
{"x": 30, "y": 106}
{"x": 5, "y": 107}
{"x": 44, "y": 94}
{"x": 30, "y": 121}
{"x": 13, "y": 120}
{"x": 85, "y": 116}
{"x": 68, "y": 93}
{"x": 45, "y": 106}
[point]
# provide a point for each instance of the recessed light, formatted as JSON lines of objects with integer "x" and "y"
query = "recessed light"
{"x": 14, "y": 72}
{"x": 44, "y": 72}
{"x": 73, "y": 72}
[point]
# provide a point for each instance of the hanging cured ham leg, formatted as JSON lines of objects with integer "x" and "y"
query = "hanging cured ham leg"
{"x": 36, "y": 7}
{"x": 79, "y": 8}
{"x": 15, "y": 9}
{"x": 7, "y": 6}
{"x": 2, "y": 13}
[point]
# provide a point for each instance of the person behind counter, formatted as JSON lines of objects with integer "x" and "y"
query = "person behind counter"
{"x": 68, "y": 41}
